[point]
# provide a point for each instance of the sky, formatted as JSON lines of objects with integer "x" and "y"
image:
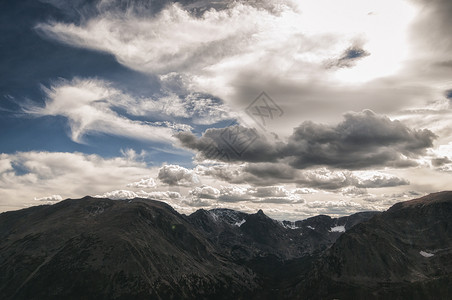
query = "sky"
{"x": 295, "y": 107}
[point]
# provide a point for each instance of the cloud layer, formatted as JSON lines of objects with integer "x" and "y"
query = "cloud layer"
{"x": 29, "y": 175}
{"x": 267, "y": 174}
{"x": 361, "y": 141}
{"x": 234, "y": 50}
{"x": 205, "y": 62}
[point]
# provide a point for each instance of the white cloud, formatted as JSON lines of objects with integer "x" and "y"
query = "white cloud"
{"x": 177, "y": 175}
{"x": 167, "y": 195}
{"x": 205, "y": 192}
{"x": 376, "y": 179}
{"x": 198, "y": 108}
{"x": 50, "y": 199}
{"x": 441, "y": 157}
{"x": 303, "y": 191}
{"x": 275, "y": 194}
{"x": 73, "y": 175}
{"x": 308, "y": 180}
{"x": 238, "y": 51}
{"x": 125, "y": 194}
{"x": 174, "y": 40}
{"x": 87, "y": 104}
{"x": 270, "y": 191}
{"x": 70, "y": 175}
{"x": 354, "y": 192}
{"x": 233, "y": 193}
{"x": 118, "y": 195}
{"x": 5, "y": 164}
{"x": 144, "y": 183}
{"x": 340, "y": 207}
{"x": 332, "y": 204}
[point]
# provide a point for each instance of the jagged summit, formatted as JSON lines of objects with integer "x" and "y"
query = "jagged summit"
{"x": 260, "y": 212}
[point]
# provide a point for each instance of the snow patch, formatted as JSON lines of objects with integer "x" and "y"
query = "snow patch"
{"x": 214, "y": 216}
{"x": 240, "y": 223}
{"x": 426, "y": 254}
{"x": 226, "y": 215}
{"x": 310, "y": 227}
{"x": 291, "y": 226}
{"x": 337, "y": 229}
{"x": 288, "y": 224}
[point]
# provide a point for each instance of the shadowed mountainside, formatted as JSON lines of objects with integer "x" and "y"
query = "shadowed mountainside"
{"x": 103, "y": 249}
{"x": 403, "y": 253}
{"x": 142, "y": 249}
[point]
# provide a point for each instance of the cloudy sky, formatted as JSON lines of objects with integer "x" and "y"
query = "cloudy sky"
{"x": 296, "y": 107}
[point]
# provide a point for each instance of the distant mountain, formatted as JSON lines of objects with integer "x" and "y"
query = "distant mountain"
{"x": 243, "y": 237}
{"x": 142, "y": 249}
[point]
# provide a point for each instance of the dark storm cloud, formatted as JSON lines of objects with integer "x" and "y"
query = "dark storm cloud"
{"x": 325, "y": 180}
{"x": 256, "y": 174}
{"x": 349, "y": 58}
{"x": 361, "y": 141}
{"x": 444, "y": 64}
{"x": 234, "y": 143}
{"x": 274, "y": 171}
{"x": 438, "y": 162}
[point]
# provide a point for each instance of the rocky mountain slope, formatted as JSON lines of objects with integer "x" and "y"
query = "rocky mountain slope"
{"x": 403, "y": 253}
{"x": 104, "y": 249}
{"x": 142, "y": 249}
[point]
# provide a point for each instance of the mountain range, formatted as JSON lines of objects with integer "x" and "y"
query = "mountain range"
{"x": 93, "y": 248}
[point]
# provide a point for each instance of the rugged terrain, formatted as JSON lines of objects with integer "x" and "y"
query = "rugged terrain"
{"x": 403, "y": 253}
{"x": 94, "y": 248}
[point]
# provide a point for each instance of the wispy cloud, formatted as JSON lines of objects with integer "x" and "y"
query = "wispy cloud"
{"x": 94, "y": 107}
{"x": 236, "y": 50}
{"x": 87, "y": 104}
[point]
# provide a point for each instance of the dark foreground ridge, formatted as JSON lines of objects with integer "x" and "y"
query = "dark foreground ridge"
{"x": 142, "y": 249}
